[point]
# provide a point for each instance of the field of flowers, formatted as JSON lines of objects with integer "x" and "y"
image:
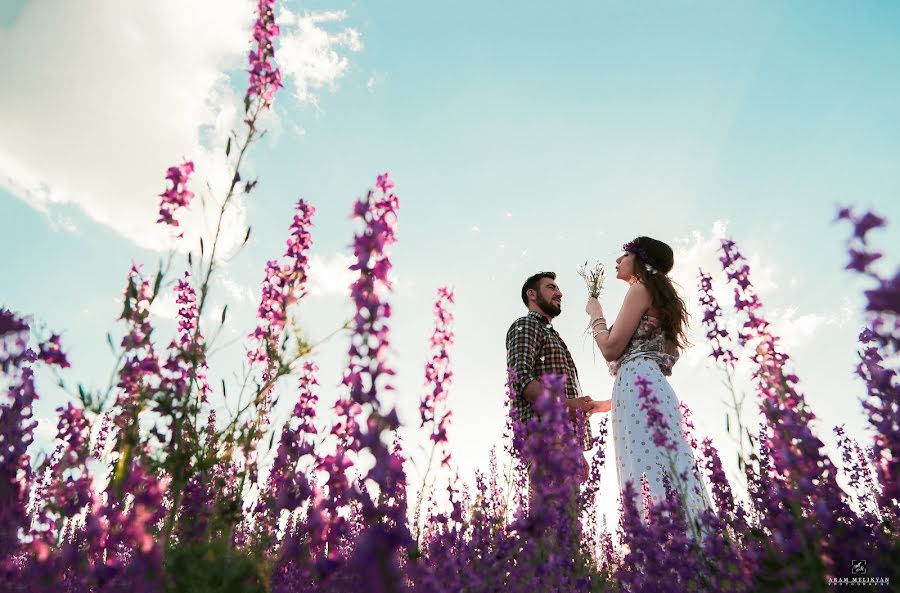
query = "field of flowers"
{"x": 148, "y": 490}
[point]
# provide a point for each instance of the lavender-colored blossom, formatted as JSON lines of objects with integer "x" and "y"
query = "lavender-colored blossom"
{"x": 283, "y": 285}
{"x": 184, "y": 371}
{"x": 265, "y": 76}
{"x": 16, "y": 434}
{"x": 177, "y": 195}
{"x": 289, "y": 486}
{"x": 433, "y": 410}
{"x": 880, "y": 341}
{"x": 656, "y": 421}
{"x": 718, "y": 336}
{"x": 732, "y": 513}
{"x": 141, "y": 366}
{"x": 50, "y": 352}
{"x": 804, "y": 477}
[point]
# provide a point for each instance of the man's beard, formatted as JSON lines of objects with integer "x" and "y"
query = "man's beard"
{"x": 548, "y": 307}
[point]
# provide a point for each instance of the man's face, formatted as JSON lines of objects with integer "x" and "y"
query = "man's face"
{"x": 549, "y": 298}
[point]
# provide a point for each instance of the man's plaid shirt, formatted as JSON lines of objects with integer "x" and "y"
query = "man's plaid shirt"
{"x": 534, "y": 349}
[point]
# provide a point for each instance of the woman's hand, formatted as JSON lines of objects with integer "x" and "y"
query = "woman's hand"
{"x": 599, "y": 406}
{"x": 593, "y": 308}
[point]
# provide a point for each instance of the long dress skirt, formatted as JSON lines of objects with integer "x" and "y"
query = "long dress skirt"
{"x": 636, "y": 454}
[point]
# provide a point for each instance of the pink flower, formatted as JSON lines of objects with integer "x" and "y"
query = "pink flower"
{"x": 283, "y": 285}
{"x": 177, "y": 196}
{"x": 265, "y": 77}
{"x": 51, "y": 353}
{"x": 438, "y": 376}
{"x": 383, "y": 183}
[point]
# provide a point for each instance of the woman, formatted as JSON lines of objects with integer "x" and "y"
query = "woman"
{"x": 644, "y": 342}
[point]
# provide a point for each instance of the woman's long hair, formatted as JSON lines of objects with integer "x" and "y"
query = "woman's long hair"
{"x": 665, "y": 298}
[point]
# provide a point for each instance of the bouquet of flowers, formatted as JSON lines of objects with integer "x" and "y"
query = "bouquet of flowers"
{"x": 593, "y": 278}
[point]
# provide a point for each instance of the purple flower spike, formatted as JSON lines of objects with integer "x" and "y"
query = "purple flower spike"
{"x": 718, "y": 336}
{"x": 265, "y": 76}
{"x": 177, "y": 196}
{"x": 801, "y": 475}
{"x": 433, "y": 408}
{"x": 656, "y": 421}
{"x": 50, "y": 352}
{"x": 284, "y": 285}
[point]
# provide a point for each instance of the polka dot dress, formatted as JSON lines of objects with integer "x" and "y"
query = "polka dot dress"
{"x": 636, "y": 454}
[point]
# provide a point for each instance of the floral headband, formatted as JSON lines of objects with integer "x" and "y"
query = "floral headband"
{"x": 649, "y": 262}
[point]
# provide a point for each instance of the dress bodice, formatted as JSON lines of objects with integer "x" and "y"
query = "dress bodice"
{"x": 649, "y": 341}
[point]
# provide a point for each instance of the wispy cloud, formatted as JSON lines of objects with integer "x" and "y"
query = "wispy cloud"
{"x": 101, "y": 98}
{"x": 310, "y": 54}
{"x": 376, "y": 79}
{"x": 330, "y": 275}
{"x": 700, "y": 250}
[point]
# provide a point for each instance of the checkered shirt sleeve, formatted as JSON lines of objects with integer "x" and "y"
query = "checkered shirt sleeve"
{"x": 534, "y": 349}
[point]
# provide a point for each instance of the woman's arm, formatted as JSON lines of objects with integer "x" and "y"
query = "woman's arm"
{"x": 612, "y": 342}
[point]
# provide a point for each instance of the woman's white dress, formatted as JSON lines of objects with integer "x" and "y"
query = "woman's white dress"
{"x": 651, "y": 356}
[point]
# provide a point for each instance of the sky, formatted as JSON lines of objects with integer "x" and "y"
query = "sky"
{"x": 522, "y": 136}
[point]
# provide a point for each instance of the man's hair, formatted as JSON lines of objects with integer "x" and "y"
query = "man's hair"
{"x": 533, "y": 283}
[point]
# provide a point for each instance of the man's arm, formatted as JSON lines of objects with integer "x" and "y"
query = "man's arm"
{"x": 522, "y": 341}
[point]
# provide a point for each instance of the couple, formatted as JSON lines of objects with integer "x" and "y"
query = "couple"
{"x": 644, "y": 341}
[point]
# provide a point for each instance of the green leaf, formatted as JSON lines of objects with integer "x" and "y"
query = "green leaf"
{"x": 201, "y": 246}
{"x": 109, "y": 341}
{"x": 246, "y": 237}
{"x": 126, "y": 310}
{"x": 224, "y": 310}
{"x": 157, "y": 283}
{"x": 228, "y": 147}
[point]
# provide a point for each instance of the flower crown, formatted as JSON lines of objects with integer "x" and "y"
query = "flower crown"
{"x": 649, "y": 262}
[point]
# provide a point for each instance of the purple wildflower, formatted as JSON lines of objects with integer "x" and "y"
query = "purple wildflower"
{"x": 433, "y": 408}
{"x": 377, "y": 553}
{"x": 176, "y": 196}
{"x": 283, "y": 286}
{"x": 50, "y": 352}
{"x": 733, "y": 514}
{"x": 265, "y": 76}
{"x": 656, "y": 421}
{"x": 803, "y": 477}
{"x": 722, "y": 350}
{"x": 16, "y": 433}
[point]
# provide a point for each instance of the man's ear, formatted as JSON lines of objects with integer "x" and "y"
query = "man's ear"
{"x": 531, "y": 293}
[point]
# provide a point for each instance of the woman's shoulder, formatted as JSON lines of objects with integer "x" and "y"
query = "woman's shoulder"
{"x": 639, "y": 293}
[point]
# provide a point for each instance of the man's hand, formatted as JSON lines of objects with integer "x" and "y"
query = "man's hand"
{"x": 584, "y": 470}
{"x": 576, "y": 404}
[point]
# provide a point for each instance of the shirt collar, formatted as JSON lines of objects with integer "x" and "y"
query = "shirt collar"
{"x": 541, "y": 317}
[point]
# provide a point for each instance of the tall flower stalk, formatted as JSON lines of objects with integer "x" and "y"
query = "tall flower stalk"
{"x": 434, "y": 412}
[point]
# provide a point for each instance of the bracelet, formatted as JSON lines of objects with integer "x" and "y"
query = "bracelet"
{"x": 601, "y": 331}
{"x": 598, "y": 320}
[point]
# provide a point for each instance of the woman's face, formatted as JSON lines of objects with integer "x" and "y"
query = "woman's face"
{"x": 625, "y": 266}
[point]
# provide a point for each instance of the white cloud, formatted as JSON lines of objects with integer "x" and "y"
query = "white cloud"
{"x": 236, "y": 292}
{"x": 102, "y": 97}
{"x": 375, "y": 80}
{"x": 330, "y": 275}
{"x": 164, "y": 306}
{"x": 701, "y": 251}
{"x": 308, "y": 53}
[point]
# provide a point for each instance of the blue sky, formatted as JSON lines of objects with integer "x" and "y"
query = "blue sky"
{"x": 522, "y": 137}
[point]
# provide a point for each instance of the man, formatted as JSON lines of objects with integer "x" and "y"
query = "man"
{"x": 534, "y": 348}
